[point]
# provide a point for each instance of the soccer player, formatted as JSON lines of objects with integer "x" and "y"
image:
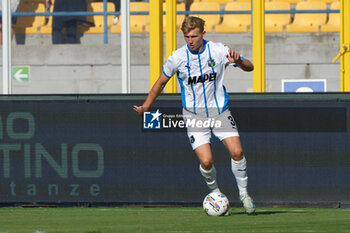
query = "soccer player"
{"x": 200, "y": 65}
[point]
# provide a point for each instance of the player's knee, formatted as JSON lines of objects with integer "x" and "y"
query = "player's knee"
{"x": 237, "y": 154}
{"x": 207, "y": 164}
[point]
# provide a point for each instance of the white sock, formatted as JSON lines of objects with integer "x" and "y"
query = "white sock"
{"x": 239, "y": 170}
{"x": 210, "y": 178}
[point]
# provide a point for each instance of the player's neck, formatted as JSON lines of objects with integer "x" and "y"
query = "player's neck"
{"x": 200, "y": 49}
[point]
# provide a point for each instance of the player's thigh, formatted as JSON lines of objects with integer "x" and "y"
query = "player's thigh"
{"x": 228, "y": 134}
{"x": 197, "y": 135}
{"x": 198, "y": 138}
{"x": 200, "y": 142}
{"x": 227, "y": 127}
{"x": 234, "y": 147}
{"x": 205, "y": 156}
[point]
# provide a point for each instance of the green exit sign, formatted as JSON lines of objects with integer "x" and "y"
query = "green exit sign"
{"x": 20, "y": 74}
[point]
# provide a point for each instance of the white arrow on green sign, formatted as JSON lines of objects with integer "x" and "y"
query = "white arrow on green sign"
{"x": 20, "y": 73}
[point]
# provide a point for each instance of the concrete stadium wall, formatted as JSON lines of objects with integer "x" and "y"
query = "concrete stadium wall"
{"x": 93, "y": 67}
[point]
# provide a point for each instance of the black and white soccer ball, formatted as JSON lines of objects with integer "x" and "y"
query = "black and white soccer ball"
{"x": 216, "y": 204}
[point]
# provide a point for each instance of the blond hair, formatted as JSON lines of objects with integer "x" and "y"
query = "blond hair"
{"x": 192, "y": 22}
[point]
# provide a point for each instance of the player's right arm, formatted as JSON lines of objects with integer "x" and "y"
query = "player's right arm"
{"x": 153, "y": 94}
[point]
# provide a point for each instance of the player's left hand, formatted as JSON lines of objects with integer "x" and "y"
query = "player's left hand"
{"x": 234, "y": 57}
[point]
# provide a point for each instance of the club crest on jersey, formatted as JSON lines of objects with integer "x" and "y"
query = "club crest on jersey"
{"x": 192, "y": 139}
{"x": 211, "y": 63}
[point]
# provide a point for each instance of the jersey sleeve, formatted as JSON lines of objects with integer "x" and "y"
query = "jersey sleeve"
{"x": 171, "y": 66}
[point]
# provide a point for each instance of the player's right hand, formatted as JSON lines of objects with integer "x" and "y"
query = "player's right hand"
{"x": 139, "y": 109}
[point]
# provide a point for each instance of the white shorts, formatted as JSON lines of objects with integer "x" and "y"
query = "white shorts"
{"x": 199, "y": 127}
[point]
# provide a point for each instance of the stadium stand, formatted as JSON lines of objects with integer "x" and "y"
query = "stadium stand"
{"x": 276, "y": 22}
{"x": 303, "y": 22}
{"x": 235, "y": 22}
{"x": 47, "y": 28}
{"x": 222, "y": 2}
{"x": 179, "y": 18}
{"x": 308, "y": 22}
{"x": 98, "y": 20}
{"x": 290, "y": 1}
{"x": 211, "y": 20}
{"x": 325, "y": 1}
{"x": 30, "y": 24}
{"x": 333, "y": 24}
{"x": 137, "y": 22}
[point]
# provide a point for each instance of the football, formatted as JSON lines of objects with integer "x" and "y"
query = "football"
{"x": 216, "y": 204}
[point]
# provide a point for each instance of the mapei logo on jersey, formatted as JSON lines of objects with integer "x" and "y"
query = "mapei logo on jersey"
{"x": 152, "y": 120}
{"x": 201, "y": 79}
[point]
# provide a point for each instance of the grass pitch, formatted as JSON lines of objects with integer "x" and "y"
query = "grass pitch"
{"x": 171, "y": 220}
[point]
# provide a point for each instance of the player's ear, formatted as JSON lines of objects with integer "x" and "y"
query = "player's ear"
{"x": 204, "y": 33}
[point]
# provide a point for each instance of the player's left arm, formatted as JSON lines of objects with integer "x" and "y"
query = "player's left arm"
{"x": 235, "y": 57}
